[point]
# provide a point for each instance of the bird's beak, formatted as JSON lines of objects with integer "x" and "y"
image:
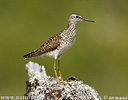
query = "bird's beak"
{"x": 88, "y": 20}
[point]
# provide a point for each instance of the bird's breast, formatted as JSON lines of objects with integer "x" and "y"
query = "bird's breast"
{"x": 66, "y": 44}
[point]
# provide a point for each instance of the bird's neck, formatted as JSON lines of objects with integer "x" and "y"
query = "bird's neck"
{"x": 72, "y": 26}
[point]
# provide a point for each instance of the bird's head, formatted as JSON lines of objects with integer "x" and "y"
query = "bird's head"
{"x": 75, "y": 18}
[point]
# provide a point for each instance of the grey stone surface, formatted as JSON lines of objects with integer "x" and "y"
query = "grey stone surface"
{"x": 43, "y": 87}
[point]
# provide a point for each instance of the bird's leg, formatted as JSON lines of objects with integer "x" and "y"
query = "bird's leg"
{"x": 54, "y": 67}
{"x": 60, "y": 72}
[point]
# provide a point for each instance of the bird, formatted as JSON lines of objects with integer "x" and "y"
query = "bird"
{"x": 59, "y": 43}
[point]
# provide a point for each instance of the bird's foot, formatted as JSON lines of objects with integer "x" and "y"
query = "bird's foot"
{"x": 62, "y": 82}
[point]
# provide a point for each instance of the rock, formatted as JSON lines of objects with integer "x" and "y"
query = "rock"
{"x": 43, "y": 87}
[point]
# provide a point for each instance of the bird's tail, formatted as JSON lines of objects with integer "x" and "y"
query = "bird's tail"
{"x": 28, "y": 56}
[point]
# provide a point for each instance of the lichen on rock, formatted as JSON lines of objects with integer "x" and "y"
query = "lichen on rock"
{"x": 43, "y": 87}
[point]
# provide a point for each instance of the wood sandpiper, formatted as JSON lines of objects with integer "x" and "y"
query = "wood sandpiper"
{"x": 59, "y": 43}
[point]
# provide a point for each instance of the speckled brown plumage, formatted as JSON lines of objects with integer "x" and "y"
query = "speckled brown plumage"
{"x": 50, "y": 45}
{"x": 59, "y": 43}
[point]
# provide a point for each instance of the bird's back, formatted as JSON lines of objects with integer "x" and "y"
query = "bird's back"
{"x": 50, "y": 45}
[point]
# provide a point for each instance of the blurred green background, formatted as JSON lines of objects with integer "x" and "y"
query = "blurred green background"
{"x": 99, "y": 56}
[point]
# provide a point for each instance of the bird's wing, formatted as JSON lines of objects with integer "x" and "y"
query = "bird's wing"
{"x": 50, "y": 45}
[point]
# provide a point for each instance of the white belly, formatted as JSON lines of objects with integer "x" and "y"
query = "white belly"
{"x": 65, "y": 47}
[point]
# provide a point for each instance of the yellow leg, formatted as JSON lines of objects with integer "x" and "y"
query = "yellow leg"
{"x": 60, "y": 72}
{"x": 54, "y": 67}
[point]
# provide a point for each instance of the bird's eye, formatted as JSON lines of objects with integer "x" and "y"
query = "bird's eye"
{"x": 77, "y": 16}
